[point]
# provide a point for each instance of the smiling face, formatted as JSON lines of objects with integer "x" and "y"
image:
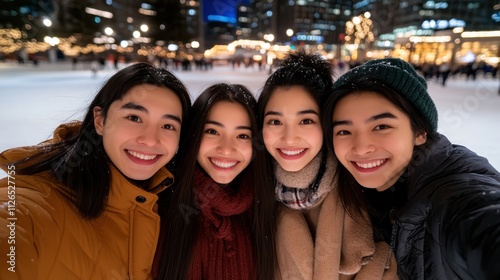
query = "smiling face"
{"x": 292, "y": 129}
{"x": 373, "y": 139}
{"x": 141, "y": 131}
{"x": 226, "y": 145}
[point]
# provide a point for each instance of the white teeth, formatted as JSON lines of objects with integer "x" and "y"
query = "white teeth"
{"x": 292, "y": 153}
{"x": 371, "y": 164}
{"x": 223, "y": 164}
{"x": 142, "y": 156}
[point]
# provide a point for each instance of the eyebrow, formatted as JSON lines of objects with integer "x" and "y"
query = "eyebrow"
{"x": 303, "y": 112}
{"x": 135, "y": 106}
{"x": 371, "y": 119}
{"x": 221, "y": 125}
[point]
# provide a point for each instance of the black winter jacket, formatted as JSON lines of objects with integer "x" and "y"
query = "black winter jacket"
{"x": 448, "y": 223}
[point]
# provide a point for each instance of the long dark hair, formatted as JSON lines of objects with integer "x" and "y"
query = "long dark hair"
{"x": 312, "y": 73}
{"x": 80, "y": 162}
{"x": 180, "y": 224}
{"x": 351, "y": 193}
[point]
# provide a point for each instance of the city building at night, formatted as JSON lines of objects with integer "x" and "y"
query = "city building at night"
{"x": 416, "y": 30}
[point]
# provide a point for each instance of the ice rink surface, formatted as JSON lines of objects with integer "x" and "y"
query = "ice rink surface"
{"x": 34, "y": 100}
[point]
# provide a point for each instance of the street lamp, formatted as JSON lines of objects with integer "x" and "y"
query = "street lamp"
{"x": 52, "y": 41}
{"x": 269, "y": 55}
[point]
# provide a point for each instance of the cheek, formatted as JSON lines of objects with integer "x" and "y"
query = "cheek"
{"x": 339, "y": 147}
{"x": 268, "y": 137}
{"x": 318, "y": 136}
{"x": 403, "y": 152}
{"x": 203, "y": 147}
{"x": 171, "y": 139}
{"x": 247, "y": 151}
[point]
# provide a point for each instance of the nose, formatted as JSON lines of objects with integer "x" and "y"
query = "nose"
{"x": 362, "y": 145}
{"x": 290, "y": 135}
{"x": 149, "y": 136}
{"x": 226, "y": 146}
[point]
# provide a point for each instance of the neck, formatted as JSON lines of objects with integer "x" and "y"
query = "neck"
{"x": 299, "y": 179}
{"x": 306, "y": 188}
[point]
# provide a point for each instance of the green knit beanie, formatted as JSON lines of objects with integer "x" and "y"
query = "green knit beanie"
{"x": 401, "y": 77}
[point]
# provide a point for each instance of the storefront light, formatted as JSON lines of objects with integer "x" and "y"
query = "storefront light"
{"x": 480, "y": 34}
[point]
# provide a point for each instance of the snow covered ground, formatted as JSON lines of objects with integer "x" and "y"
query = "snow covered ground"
{"x": 34, "y": 100}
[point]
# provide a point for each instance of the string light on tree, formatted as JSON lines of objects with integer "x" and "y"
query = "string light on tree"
{"x": 359, "y": 33}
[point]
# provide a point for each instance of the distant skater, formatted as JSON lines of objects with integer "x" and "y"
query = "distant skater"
{"x": 94, "y": 67}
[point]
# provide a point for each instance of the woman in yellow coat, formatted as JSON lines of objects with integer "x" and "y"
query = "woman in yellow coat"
{"x": 83, "y": 204}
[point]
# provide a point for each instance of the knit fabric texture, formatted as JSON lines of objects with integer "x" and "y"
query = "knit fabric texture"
{"x": 401, "y": 77}
{"x": 223, "y": 249}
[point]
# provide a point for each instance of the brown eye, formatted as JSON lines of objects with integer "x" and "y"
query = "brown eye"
{"x": 168, "y": 127}
{"x": 211, "y": 131}
{"x": 134, "y": 118}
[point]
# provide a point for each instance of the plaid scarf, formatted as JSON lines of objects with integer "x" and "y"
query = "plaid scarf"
{"x": 304, "y": 188}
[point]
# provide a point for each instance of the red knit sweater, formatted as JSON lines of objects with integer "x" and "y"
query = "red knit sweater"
{"x": 223, "y": 249}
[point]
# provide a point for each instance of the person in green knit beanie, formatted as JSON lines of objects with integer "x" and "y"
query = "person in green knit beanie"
{"x": 436, "y": 203}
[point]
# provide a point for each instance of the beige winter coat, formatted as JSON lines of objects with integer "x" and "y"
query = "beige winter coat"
{"x": 325, "y": 243}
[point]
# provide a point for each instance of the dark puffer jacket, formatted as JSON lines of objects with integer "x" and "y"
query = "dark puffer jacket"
{"x": 449, "y": 228}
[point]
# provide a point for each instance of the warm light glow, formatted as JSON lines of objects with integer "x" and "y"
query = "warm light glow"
{"x": 359, "y": 30}
{"x": 195, "y": 44}
{"x": 289, "y": 32}
{"x": 136, "y": 34}
{"x": 47, "y": 22}
{"x": 172, "y": 47}
{"x": 430, "y": 39}
{"x": 480, "y": 34}
{"x": 147, "y": 12}
{"x": 97, "y": 12}
{"x": 144, "y": 28}
{"x": 356, "y": 20}
{"x": 51, "y": 40}
{"x": 108, "y": 31}
{"x": 269, "y": 37}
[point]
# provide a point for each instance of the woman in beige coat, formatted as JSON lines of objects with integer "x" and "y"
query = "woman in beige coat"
{"x": 315, "y": 237}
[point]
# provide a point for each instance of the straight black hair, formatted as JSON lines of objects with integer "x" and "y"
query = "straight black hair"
{"x": 179, "y": 223}
{"x": 80, "y": 162}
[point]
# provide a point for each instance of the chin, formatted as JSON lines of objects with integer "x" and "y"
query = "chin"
{"x": 292, "y": 168}
{"x": 224, "y": 181}
{"x": 140, "y": 176}
{"x": 368, "y": 185}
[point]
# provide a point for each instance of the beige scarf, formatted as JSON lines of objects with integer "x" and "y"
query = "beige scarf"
{"x": 325, "y": 243}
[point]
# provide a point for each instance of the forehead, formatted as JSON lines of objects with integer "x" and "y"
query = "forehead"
{"x": 152, "y": 97}
{"x": 291, "y": 97}
{"x": 227, "y": 110}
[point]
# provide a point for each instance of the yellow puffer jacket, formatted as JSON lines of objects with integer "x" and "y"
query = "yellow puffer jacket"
{"x": 46, "y": 238}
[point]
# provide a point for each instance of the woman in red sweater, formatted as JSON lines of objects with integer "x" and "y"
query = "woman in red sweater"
{"x": 207, "y": 230}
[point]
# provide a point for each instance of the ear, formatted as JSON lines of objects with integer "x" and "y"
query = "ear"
{"x": 421, "y": 139}
{"x": 98, "y": 120}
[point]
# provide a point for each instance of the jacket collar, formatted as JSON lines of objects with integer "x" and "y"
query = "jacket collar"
{"x": 123, "y": 194}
